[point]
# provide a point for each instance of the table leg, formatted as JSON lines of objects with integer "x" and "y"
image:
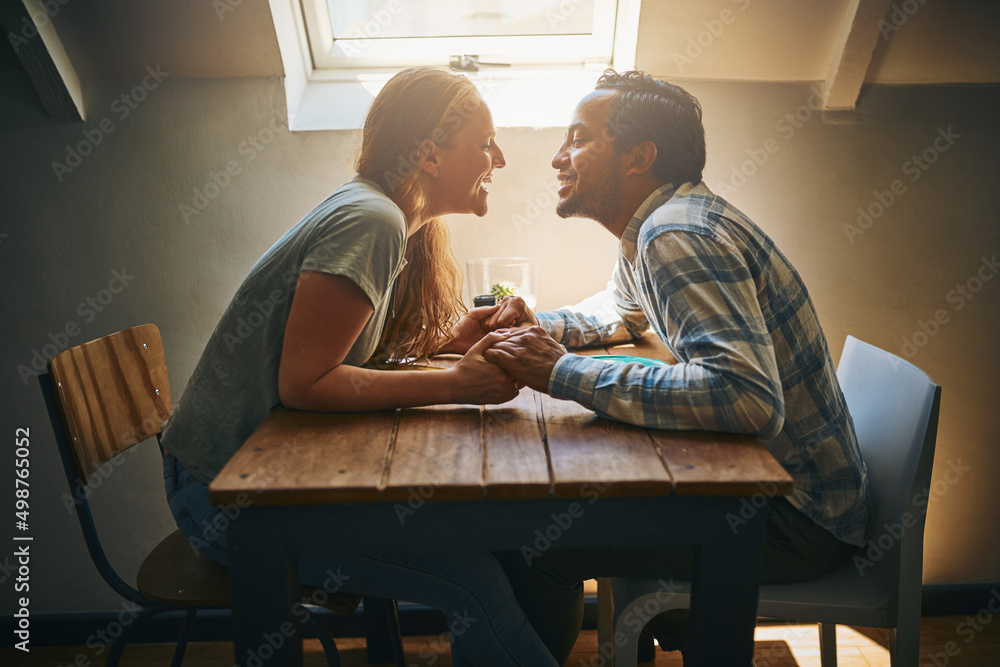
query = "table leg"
{"x": 382, "y": 638}
{"x": 605, "y": 617}
{"x": 724, "y": 588}
{"x": 263, "y": 583}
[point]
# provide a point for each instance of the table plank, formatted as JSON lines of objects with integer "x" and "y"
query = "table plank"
{"x": 309, "y": 457}
{"x": 516, "y": 465}
{"x": 594, "y": 457}
{"x": 437, "y": 455}
{"x": 720, "y": 464}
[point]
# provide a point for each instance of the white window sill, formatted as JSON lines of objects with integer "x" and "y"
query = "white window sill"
{"x": 518, "y": 97}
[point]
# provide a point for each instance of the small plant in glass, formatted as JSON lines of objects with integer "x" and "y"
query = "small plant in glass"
{"x": 503, "y": 288}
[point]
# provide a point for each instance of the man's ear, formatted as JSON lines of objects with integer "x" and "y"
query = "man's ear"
{"x": 427, "y": 150}
{"x": 640, "y": 159}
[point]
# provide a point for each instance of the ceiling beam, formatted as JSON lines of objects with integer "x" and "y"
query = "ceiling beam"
{"x": 856, "y": 41}
{"x": 30, "y": 32}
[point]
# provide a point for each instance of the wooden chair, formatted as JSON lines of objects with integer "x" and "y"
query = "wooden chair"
{"x": 895, "y": 408}
{"x": 104, "y": 397}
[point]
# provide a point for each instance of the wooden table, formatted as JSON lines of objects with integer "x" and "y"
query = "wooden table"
{"x": 403, "y": 480}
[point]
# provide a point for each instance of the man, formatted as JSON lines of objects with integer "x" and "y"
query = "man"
{"x": 752, "y": 357}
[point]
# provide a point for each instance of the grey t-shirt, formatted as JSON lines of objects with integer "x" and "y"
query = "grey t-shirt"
{"x": 358, "y": 233}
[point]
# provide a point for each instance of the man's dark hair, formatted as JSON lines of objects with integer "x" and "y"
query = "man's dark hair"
{"x": 646, "y": 109}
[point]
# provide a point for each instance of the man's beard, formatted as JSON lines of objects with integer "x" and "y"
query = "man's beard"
{"x": 600, "y": 202}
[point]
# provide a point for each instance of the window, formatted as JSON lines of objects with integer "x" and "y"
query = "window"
{"x": 337, "y": 54}
{"x": 351, "y": 34}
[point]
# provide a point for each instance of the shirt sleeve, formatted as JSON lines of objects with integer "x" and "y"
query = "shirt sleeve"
{"x": 726, "y": 378}
{"x": 362, "y": 242}
{"x": 611, "y": 316}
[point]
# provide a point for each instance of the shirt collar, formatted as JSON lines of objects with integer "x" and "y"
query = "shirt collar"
{"x": 655, "y": 200}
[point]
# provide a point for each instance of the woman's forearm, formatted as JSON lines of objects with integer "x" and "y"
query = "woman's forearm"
{"x": 352, "y": 389}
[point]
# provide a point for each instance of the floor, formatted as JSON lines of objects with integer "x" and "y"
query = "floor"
{"x": 776, "y": 646}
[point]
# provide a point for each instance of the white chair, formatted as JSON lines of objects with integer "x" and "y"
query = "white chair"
{"x": 895, "y": 409}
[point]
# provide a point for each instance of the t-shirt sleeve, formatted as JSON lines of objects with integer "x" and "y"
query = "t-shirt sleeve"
{"x": 363, "y": 242}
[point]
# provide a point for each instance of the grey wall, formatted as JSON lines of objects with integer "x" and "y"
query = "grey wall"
{"x": 119, "y": 210}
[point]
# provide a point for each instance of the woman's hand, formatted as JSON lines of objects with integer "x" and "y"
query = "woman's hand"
{"x": 468, "y": 331}
{"x": 513, "y": 313}
{"x": 510, "y": 313}
{"x": 478, "y": 381}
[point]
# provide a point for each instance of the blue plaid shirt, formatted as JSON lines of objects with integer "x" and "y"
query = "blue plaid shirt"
{"x": 752, "y": 357}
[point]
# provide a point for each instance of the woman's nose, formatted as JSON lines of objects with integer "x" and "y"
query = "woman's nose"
{"x": 499, "y": 161}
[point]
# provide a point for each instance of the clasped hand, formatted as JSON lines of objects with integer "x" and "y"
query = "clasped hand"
{"x": 511, "y": 312}
{"x": 528, "y": 354}
{"x": 504, "y": 347}
{"x": 503, "y": 361}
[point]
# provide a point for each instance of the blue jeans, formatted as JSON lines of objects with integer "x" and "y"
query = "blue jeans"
{"x": 486, "y": 623}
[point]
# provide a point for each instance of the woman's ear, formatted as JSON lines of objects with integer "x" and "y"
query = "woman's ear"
{"x": 428, "y": 151}
{"x": 640, "y": 159}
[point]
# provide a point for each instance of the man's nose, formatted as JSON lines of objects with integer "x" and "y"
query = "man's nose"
{"x": 559, "y": 158}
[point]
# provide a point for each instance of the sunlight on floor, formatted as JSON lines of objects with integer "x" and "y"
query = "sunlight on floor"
{"x": 853, "y": 648}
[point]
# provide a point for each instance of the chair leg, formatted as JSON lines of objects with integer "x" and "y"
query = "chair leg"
{"x": 828, "y": 644}
{"x": 646, "y": 650}
{"x": 326, "y": 640}
{"x": 115, "y": 651}
{"x": 118, "y": 645}
{"x": 182, "y": 641}
{"x": 627, "y": 633}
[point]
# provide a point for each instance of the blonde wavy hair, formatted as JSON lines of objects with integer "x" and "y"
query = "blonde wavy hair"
{"x": 416, "y": 105}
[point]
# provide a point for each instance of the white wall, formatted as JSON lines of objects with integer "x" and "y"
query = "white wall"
{"x": 119, "y": 210}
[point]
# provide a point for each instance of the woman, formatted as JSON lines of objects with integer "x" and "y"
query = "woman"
{"x": 367, "y": 275}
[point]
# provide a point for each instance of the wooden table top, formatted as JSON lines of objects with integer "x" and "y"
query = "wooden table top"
{"x": 530, "y": 448}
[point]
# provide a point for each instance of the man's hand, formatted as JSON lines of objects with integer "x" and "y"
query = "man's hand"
{"x": 473, "y": 325}
{"x": 527, "y": 354}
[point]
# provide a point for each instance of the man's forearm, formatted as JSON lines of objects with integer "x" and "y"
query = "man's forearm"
{"x": 678, "y": 397}
{"x": 596, "y": 320}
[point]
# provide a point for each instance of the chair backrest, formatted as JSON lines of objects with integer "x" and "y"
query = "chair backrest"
{"x": 112, "y": 393}
{"x": 103, "y": 397}
{"x": 895, "y": 408}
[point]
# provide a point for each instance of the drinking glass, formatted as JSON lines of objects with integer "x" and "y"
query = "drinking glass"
{"x": 502, "y": 276}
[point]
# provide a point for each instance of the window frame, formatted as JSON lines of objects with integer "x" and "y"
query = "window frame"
{"x": 371, "y": 52}
{"x": 338, "y": 99}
